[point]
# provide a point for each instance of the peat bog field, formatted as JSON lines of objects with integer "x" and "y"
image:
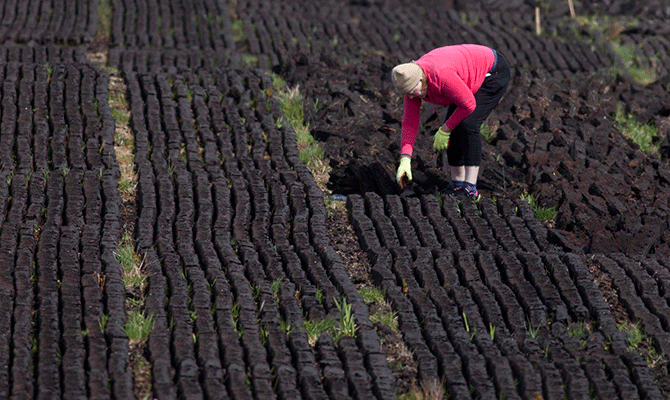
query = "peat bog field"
{"x": 162, "y": 236}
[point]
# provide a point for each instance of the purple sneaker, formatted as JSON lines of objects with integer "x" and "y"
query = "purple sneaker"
{"x": 471, "y": 192}
{"x": 453, "y": 189}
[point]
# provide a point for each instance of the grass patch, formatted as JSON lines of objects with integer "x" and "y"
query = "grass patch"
{"x": 238, "y": 30}
{"x": 611, "y": 29}
{"x": 127, "y": 185}
{"x": 334, "y": 207}
{"x": 291, "y": 102}
{"x": 124, "y": 141}
{"x": 644, "y": 135}
{"x": 373, "y": 295}
{"x": 346, "y": 327}
{"x": 487, "y": 132}
{"x": 311, "y": 152}
{"x": 276, "y": 284}
{"x": 347, "y": 323}
{"x": 640, "y": 342}
{"x": 314, "y": 329}
{"x": 427, "y": 390}
{"x": 104, "y": 318}
{"x": 249, "y": 60}
{"x": 105, "y": 19}
{"x": 382, "y": 313}
{"x": 540, "y": 212}
{"x": 530, "y": 330}
{"x": 133, "y": 275}
{"x": 285, "y": 327}
{"x": 644, "y": 76}
{"x": 579, "y": 329}
{"x": 635, "y": 335}
{"x": 440, "y": 199}
{"x": 120, "y": 110}
{"x": 466, "y": 325}
{"x": 138, "y": 326}
{"x": 386, "y": 317}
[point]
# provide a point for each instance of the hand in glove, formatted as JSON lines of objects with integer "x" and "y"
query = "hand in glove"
{"x": 441, "y": 140}
{"x": 404, "y": 170}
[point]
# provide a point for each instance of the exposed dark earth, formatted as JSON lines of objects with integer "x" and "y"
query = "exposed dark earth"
{"x": 554, "y": 135}
{"x": 250, "y": 263}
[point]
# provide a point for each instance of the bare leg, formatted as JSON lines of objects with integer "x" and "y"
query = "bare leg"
{"x": 471, "y": 173}
{"x": 457, "y": 173}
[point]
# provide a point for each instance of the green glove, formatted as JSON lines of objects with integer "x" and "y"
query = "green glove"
{"x": 441, "y": 140}
{"x": 404, "y": 169}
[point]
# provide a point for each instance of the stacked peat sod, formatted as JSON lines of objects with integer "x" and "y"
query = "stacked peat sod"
{"x": 60, "y": 210}
{"x": 558, "y": 337}
{"x": 60, "y": 226}
{"x": 70, "y": 22}
{"x": 163, "y": 36}
{"x": 233, "y": 224}
{"x": 491, "y": 308}
{"x": 555, "y": 134}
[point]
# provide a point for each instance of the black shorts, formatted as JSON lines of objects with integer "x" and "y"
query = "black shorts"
{"x": 465, "y": 145}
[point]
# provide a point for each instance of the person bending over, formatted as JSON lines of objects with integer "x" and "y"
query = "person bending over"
{"x": 470, "y": 80}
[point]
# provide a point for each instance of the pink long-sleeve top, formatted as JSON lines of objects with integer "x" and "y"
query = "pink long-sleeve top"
{"x": 453, "y": 74}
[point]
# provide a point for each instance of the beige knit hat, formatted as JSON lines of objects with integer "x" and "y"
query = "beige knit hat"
{"x": 406, "y": 76}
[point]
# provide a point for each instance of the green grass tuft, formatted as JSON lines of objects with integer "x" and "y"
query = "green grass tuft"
{"x": 291, "y": 102}
{"x": 644, "y": 76}
{"x": 105, "y": 19}
{"x": 541, "y": 213}
{"x": 314, "y": 329}
{"x": 487, "y": 132}
{"x": 644, "y": 135}
{"x": 238, "y": 30}
{"x": 373, "y": 295}
{"x": 389, "y": 318}
{"x": 133, "y": 275}
{"x": 138, "y": 326}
